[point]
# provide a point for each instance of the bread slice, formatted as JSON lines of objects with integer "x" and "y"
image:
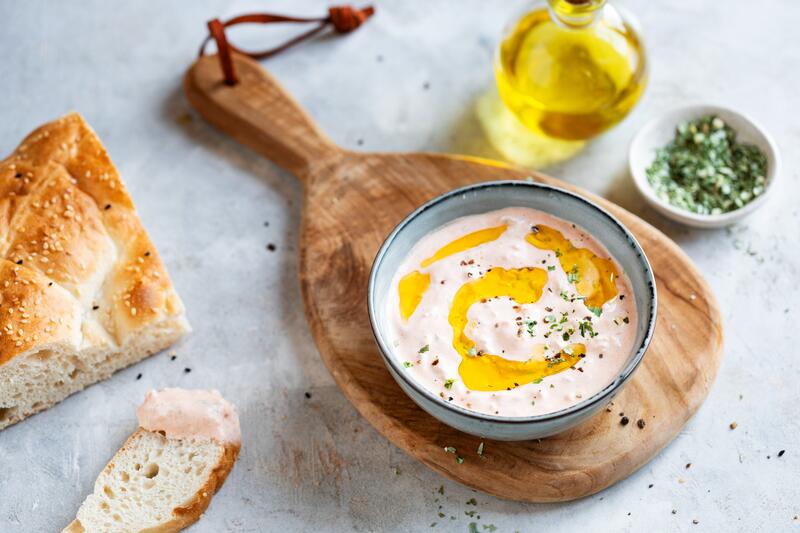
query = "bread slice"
{"x": 155, "y": 484}
{"x": 83, "y": 291}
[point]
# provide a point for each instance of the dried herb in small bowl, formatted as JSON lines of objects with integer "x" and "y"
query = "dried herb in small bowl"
{"x": 704, "y": 170}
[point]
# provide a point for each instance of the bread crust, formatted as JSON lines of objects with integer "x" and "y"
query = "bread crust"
{"x": 78, "y": 272}
{"x": 190, "y": 512}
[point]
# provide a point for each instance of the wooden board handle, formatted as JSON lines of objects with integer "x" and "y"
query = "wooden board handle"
{"x": 260, "y": 114}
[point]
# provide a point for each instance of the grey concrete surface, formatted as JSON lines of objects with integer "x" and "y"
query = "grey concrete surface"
{"x": 211, "y": 206}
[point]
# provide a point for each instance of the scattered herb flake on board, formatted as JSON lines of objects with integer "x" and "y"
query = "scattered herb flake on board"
{"x": 705, "y": 170}
{"x": 184, "y": 119}
{"x": 480, "y": 450}
{"x": 459, "y": 459}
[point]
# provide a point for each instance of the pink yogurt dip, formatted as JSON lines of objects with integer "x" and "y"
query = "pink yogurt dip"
{"x": 492, "y": 324}
{"x": 183, "y": 413}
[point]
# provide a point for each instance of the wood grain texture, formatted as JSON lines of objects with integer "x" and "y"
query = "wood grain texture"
{"x": 353, "y": 200}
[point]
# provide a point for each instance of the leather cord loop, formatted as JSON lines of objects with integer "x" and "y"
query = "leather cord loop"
{"x": 343, "y": 19}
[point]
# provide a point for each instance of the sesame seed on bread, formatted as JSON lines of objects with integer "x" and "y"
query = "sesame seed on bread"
{"x": 83, "y": 292}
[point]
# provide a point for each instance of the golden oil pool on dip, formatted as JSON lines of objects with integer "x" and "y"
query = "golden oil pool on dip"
{"x": 512, "y": 312}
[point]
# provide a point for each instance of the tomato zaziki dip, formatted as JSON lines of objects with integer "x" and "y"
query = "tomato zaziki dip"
{"x": 512, "y": 312}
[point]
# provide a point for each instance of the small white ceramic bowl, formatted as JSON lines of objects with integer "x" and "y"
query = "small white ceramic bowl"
{"x": 661, "y": 130}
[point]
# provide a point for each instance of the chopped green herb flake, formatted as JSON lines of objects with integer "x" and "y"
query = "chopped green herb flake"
{"x": 449, "y": 384}
{"x": 586, "y": 328}
{"x": 408, "y": 364}
{"x": 449, "y": 449}
{"x": 596, "y": 310}
{"x": 550, "y": 268}
{"x": 459, "y": 459}
{"x": 424, "y": 348}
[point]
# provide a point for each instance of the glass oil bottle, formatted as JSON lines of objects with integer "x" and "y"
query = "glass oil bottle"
{"x": 571, "y": 69}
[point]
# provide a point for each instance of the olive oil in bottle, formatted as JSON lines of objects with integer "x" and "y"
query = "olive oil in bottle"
{"x": 571, "y": 69}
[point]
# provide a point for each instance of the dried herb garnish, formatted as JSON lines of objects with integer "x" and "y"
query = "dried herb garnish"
{"x": 574, "y": 276}
{"x": 705, "y": 170}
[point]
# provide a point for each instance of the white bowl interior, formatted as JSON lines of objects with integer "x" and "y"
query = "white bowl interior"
{"x": 661, "y": 130}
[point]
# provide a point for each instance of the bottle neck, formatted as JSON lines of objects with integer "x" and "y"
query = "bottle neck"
{"x": 575, "y": 13}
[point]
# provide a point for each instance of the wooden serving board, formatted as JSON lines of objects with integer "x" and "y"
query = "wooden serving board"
{"x": 353, "y": 200}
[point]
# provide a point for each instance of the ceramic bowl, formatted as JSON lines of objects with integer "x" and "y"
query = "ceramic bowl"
{"x": 490, "y": 196}
{"x": 661, "y": 130}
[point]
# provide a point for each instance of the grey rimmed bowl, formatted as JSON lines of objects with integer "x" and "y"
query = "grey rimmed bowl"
{"x": 489, "y": 196}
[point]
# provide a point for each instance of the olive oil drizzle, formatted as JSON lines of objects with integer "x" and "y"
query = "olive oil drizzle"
{"x": 594, "y": 279}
